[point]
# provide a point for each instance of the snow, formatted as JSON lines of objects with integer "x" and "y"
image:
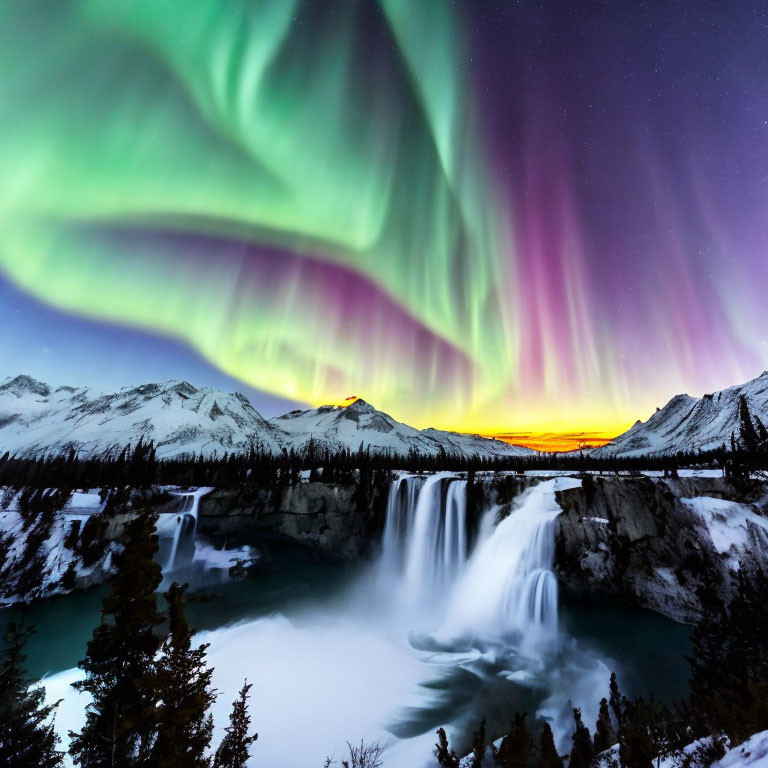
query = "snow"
{"x": 84, "y": 502}
{"x": 753, "y": 753}
{"x": 730, "y": 524}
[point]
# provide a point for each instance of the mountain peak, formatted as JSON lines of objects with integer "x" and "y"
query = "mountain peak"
{"x": 689, "y": 423}
{"x": 24, "y": 383}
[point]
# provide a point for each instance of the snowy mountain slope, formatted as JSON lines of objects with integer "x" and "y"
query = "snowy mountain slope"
{"x": 338, "y": 427}
{"x": 36, "y": 418}
{"x": 688, "y": 423}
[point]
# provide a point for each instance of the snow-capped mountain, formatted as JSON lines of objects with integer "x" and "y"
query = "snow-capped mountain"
{"x": 337, "y": 427}
{"x": 688, "y": 423}
{"x": 36, "y": 418}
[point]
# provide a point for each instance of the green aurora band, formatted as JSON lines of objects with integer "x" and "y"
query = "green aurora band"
{"x": 263, "y": 123}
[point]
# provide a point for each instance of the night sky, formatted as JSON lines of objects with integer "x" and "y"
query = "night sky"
{"x": 495, "y": 217}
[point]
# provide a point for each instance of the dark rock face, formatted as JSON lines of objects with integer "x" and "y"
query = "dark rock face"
{"x": 326, "y": 518}
{"x": 632, "y": 539}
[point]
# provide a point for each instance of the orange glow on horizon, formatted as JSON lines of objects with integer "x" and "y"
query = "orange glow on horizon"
{"x": 556, "y": 441}
{"x": 546, "y": 440}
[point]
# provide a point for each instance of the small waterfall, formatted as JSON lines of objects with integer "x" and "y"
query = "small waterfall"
{"x": 400, "y": 505}
{"x": 182, "y": 550}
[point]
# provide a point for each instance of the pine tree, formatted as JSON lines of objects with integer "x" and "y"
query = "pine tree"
{"x": 183, "y": 684}
{"x": 605, "y": 735}
{"x": 27, "y": 736}
{"x": 234, "y": 748}
{"x": 548, "y": 756}
{"x": 120, "y": 725}
{"x": 516, "y": 747}
{"x": 635, "y": 748}
{"x": 762, "y": 433}
{"x": 582, "y": 751}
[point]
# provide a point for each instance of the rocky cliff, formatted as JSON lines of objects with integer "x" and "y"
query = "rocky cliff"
{"x": 329, "y": 519}
{"x": 654, "y": 542}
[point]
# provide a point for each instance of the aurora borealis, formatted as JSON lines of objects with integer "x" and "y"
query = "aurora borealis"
{"x": 479, "y": 216}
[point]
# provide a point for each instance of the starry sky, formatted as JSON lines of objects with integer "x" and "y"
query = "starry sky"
{"x": 509, "y": 217}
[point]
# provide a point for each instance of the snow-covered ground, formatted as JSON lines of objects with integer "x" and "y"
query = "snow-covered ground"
{"x": 753, "y": 753}
{"x": 731, "y": 525}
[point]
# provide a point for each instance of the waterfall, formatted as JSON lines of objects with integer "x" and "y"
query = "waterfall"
{"x": 182, "y": 550}
{"x": 505, "y": 589}
{"x": 424, "y": 546}
{"x": 509, "y": 589}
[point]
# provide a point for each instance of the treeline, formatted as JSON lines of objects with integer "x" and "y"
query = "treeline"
{"x": 139, "y": 467}
{"x": 728, "y": 701}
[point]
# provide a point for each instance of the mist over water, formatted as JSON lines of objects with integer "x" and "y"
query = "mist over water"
{"x": 434, "y": 633}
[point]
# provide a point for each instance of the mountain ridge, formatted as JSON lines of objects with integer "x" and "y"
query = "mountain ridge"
{"x": 688, "y": 424}
{"x": 37, "y": 418}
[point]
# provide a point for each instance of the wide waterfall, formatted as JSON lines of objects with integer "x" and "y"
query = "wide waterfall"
{"x": 505, "y": 589}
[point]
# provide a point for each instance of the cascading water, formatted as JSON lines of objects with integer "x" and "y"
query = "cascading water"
{"x": 182, "y": 551}
{"x": 509, "y": 589}
{"x": 400, "y": 505}
{"x": 424, "y": 547}
{"x": 505, "y": 590}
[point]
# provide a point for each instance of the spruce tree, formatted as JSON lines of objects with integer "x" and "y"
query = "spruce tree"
{"x": 516, "y": 747}
{"x": 635, "y": 747}
{"x": 747, "y": 431}
{"x": 478, "y": 746}
{"x": 184, "y": 687}
{"x": 120, "y": 725}
{"x": 27, "y": 736}
{"x": 582, "y": 751}
{"x": 762, "y": 433}
{"x": 233, "y": 752}
{"x": 617, "y": 701}
{"x": 548, "y": 756}
{"x": 605, "y": 735}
